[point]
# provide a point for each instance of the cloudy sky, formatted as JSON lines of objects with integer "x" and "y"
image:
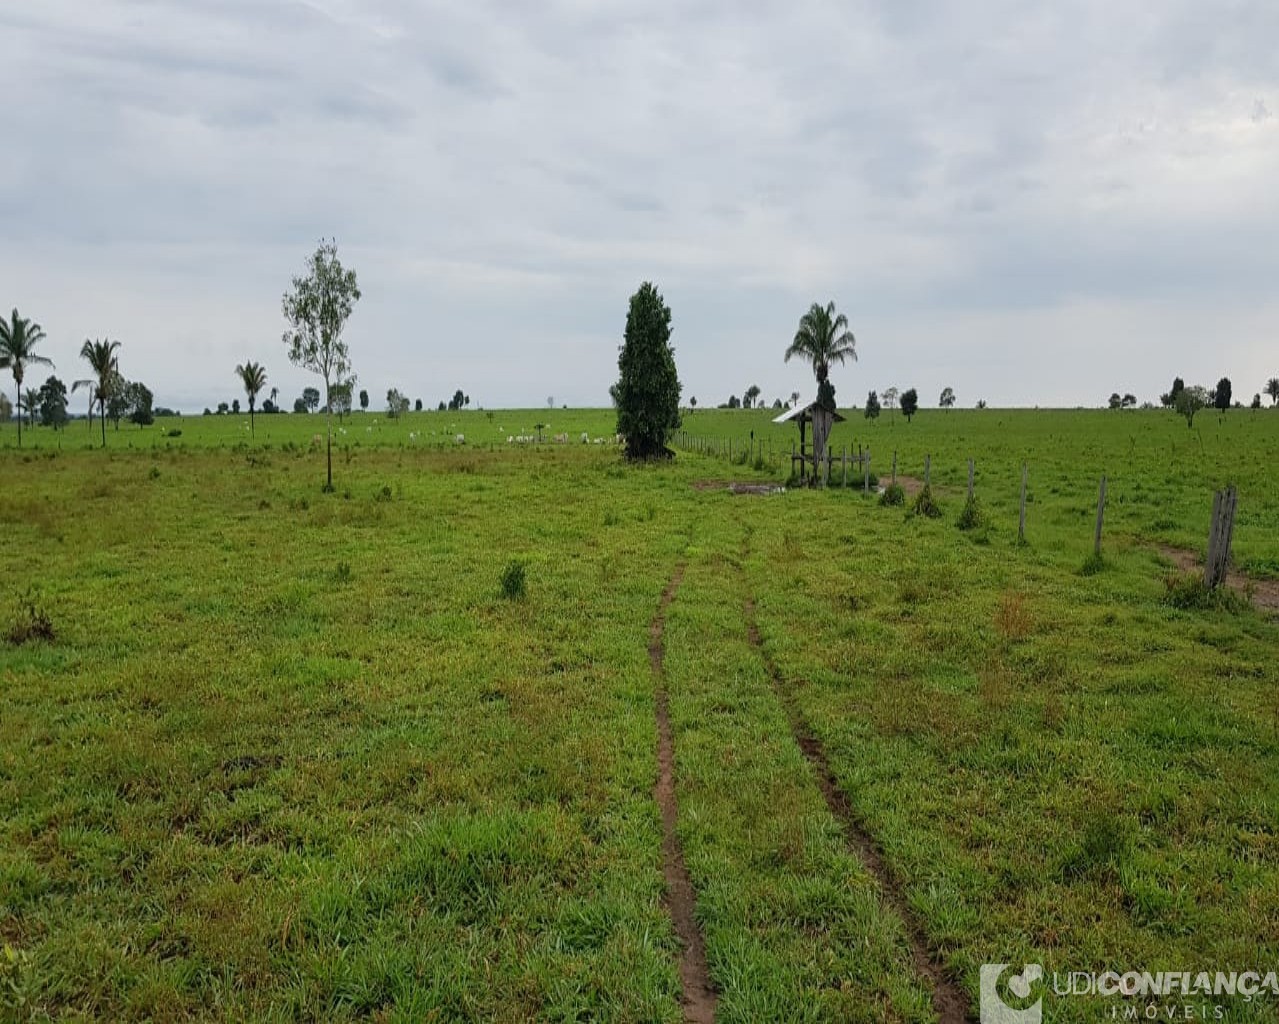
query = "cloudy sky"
{"x": 1032, "y": 206}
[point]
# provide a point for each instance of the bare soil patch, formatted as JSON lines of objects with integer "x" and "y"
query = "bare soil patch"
{"x": 695, "y": 980}
{"x": 1263, "y": 593}
{"x": 949, "y": 1000}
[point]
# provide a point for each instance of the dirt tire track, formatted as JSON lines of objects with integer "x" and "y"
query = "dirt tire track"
{"x": 950, "y": 1002}
{"x": 698, "y": 999}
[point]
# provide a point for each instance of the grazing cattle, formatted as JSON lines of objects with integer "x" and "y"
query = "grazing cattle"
{"x": 460, "y": 439}
{"x": 561, "y": 438}
{"x": 586, "y": 438}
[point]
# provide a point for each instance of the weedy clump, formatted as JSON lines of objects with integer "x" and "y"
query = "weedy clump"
{"x": 972, "y": 517}
{"x": 32, "y": 621}
{"x": 384, "y": 494}
{"x": 925, "y": 505}
{"x": 1189, "y": 592}
{"x": 514, "y": 580}
{"x": 342, "y": 572}
{"x": 1093, "y": 564}
{"x": 1012, "y": 617}
{"x": 155, "y": 473}
{"x": 893, "y": 495}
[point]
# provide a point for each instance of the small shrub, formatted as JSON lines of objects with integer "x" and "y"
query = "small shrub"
{"x": 155, "y": 473}
{"x": 925, "y": 505}
{"x": 514, "y": 580}
{"x": 611, "y": 518}
{"x": 1093, "y": 564}
{"x": 342, "y": 572}
{"x": 175, "y": 432}
{"x": 893, "y": 495}
{"x": 1189, "y": 592}
{"x": 32, "y": 621}
{"x": 384, "y": 494}
{"x": 298, "y": 504}
{"x": 972, "y": 516}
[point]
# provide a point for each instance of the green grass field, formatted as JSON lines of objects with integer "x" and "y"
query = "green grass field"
{"x": 293, "y": 756}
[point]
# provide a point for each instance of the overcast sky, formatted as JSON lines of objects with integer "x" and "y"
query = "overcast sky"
{"x": 1032, "y": 207}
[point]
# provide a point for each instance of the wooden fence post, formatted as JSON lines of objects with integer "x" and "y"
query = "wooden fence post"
{"x": 970, "y": 479}
{"x": 1101, "y": 513}
{"x": 843, "y": 458}
{"x": 928, "y": 468}
{"x": 894, "y": 465}
{"x": 866, "y": 473}
{"x": 1220, "y": 534}
{"x": 1021, "y": 519}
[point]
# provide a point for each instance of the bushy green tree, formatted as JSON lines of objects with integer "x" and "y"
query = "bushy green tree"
{"x": 1223, "y": 394}
{"x": 52, "y": 402}
{"x": 872, "y": 406}
{"x": 1190, "y": 400}
{"x": 648, "y": 385}
{"x": 1272, "y": 389}
{"x": 910, "y": 403}
{"x": 947, "y": 399}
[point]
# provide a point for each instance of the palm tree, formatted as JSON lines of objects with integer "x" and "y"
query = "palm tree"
{"x": 32, "y": 400}
{"x": 1272, "y": 389}
{"x": 18, "y": 339}
{"x": 101, "y": 357}
{"x": 253, "y": 377}
{"x": 823, "y": 338}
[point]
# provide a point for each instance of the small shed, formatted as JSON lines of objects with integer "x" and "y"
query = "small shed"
{"x": 803, "y": 415}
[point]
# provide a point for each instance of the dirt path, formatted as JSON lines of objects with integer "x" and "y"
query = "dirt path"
{"x": 949, "y": 1000}
{"x": 698, "y": 995}
{"x": 1264, "y": 593}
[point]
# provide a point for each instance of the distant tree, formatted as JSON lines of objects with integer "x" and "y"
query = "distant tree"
{"x": 981, "y": 403}
{"x": 53, "y": 403}
{"x": 253, "y": 377}
{"x": 1115, "y": 400}
{"x": 317, "y": 309}
{"x": 268, "y": 407}
{"x": 140, "y": 404}
{"x": 910, "y": 403}
{"x": 1256, "y": 402}
{"x": 778, "y": 404}
{"x": 311, "y": 398}
{"x": 30, "y": 400}
{"x": 1169, "y": 398}
{"x": 823, "y": 338}
{"x": 340, "y": 395}
{"x": 235, "y": 406}
{"x": 1190, "y": 400}
{"x": 872, "y": 406}
{"x": 794, "y": 398}
{"x": 1223, "y": 394}
{"x": 947, "y": 399}
{"x": 890, "y": 398}
{"x": 275, "y": 395}
{"x": 457, "y": 401}
{"x": 100, "y": 354}
{"x": 1129, "y": 401}
{"x": 748, "y": 399}
{"x": 550, "y": 401}
{"x": 1272, "y": 389}
{"x": 417, "y": 405}
{"x": 299, "y": 405}
{"x": 692, "y": 403}
{"x": 396, "y": 404}
{"x": 18, "y": 340}
{"x": 223, "y": 408}
{"x": 648, "y": 385}
{"x": 733, "y": 403}
{"x": 441, "y": 408}
{"x": 364, "y": 399}
{"x": 6, "y": 409}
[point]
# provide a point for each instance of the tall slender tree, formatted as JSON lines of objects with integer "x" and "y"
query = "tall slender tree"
{"x": 18, "y": 340}
{"x": 823, "y": 338}
{"x": 317, "y": 308}
{"x": 100, "y": 354}
{"x": 1272, "y": 389}
{"x": 253, "y": 377}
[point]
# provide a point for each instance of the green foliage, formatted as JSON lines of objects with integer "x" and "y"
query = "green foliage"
{"x": 1223, "y": 394}
{"x": 1093, "y": 564}
{"x": 925, "y": 505}
{"x": 947, "y": 399}
{"x": 972, "y": 516}
{"x": 910, "y": 403}
{"x": 18, "y": 340}
{"x": 513, "y": 580}
{"x": 1188, "y": 591}
{"x": 648, "y": 388}
{"x": 893, "y": 495}
{"x": 31, "y": 620}
{"x": 823, "y": 338}
{"x": 872, "y": 406}
{"x": 53, "y": 403}
{"x": 1189, "y": 401}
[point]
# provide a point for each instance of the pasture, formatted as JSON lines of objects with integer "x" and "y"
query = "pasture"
{"x": 296, "y": 756}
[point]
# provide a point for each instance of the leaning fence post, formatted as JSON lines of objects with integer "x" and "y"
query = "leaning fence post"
{"x": 928, "y": 468}
{"x": 866, "y": 473}
{"x": 1021, "y": 519}
{"x": 1220, "y": 534}
{"x": 970, "y": 479}
{"x": 843, "y": 458}
{"x": 1101, "y": 513}
{"x": 894, "y": 466}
